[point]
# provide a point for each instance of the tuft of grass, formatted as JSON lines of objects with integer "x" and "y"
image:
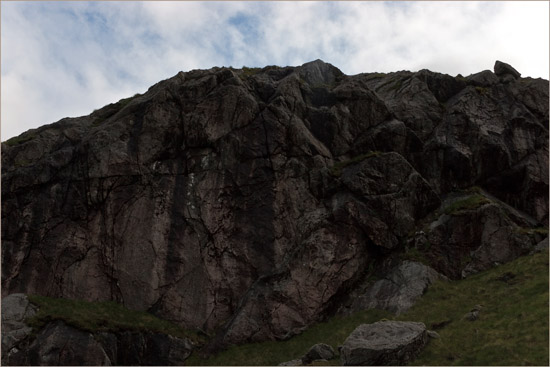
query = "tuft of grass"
{"x": 336, "y": 170}
{"x": 533, "y": 231}
{"x": 248, "y": 72}
{"x": 482, "y": 90}
{"x": 23, "y": 138}
{"x": 333, "y": 332}
{"x": 371, "y": 76}
{"x": 102, "y": 316}
{"x": 124, "y": 101}
{"x": 471, "y": 202}
{"x": 414, "y": 254}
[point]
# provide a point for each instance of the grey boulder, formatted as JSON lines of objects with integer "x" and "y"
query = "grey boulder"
{"x": 502, "y": 69}
{"x": 318, "y": 351}
{"x": 384, "y": 343}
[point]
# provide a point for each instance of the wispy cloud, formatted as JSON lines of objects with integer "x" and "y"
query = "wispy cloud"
{"x": 67, "y": 58}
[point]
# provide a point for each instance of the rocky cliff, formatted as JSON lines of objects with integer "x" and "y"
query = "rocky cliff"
{"x": 250, "y": 203}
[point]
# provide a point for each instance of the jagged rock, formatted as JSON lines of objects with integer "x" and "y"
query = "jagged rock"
{"x": 399, "y": 289}
{"x": 469, "y": 240}
{"x": 256, "y": 200}
{"x": 541, "y": 246}
{"x": 502, "y": 69}
{"x": 59, "y": 344}
{"x": 485, "y": 78}
{"x": 384, "y": 343}
{"x": 318, "y": 351}
{"x": 16, "y": 308}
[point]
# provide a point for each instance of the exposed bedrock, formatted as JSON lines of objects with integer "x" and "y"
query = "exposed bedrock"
{"x": 251, "y": 203}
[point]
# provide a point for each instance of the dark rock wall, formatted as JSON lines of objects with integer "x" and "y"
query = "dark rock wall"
{"x": 248, "y": 203}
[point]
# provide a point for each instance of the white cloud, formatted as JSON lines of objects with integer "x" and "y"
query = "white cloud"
{"x": 67, "y": 58}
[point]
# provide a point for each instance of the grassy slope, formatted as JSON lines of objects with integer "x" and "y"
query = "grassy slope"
{"x": 512, "y": 328}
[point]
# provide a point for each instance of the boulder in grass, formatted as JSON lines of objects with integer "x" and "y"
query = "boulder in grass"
{"x": 384, "y": 343}
{"x": 318, "y": 351}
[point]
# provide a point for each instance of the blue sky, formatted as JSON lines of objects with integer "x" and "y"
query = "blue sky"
{"x": 64, "y": 59}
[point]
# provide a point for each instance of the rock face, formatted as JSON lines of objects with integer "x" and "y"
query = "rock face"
{"x": 399, "y": 290}
{"x": 15, "y": 309}
{"x": 251, "y": 203}
{"x": 384, "y": 343}
{"x": 58, "y": 344}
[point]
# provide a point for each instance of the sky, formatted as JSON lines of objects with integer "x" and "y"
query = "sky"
{"x": 65, "y": 59}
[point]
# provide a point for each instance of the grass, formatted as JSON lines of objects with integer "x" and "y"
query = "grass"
{"x": 337, "y": 168}
{"x": 471, "y": 202}
{"x": 23, "y": 138}
{"x": 482, "y": 90}
{"x": 124, "y": 101}
{"x": 533, "y": 231}
{"x": 332, "y": 332}
{"x": 120, "y": 105}
{"x": 248, "y": 72}
{"x": 512, "y": 328}
{"x": 102, "y": 316}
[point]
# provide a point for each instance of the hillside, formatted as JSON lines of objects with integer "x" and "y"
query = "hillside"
{"x": 248, "y": 204}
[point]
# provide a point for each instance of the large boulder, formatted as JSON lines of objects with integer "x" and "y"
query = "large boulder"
{"x": 384, "y": 343}
{"x": 502, "y": 68}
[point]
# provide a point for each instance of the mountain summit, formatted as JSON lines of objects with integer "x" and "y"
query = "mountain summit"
{"x": 250, "y": 203}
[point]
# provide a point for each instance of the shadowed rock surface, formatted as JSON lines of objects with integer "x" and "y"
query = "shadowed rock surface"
{"x": 251, "y": 203}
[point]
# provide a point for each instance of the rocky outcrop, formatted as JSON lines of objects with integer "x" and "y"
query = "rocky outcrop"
{"x": 384, "y": 343}
{"x": 16, "y": 308}
{"x": 59, "y": 344}
{"x": 251, "y": 203}
{"x": 502, "y": 69}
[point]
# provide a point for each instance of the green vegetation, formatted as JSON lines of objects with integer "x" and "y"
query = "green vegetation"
{"x": 482, "y": 90}
{"x": 396, "y": 85}
{"x": 101, "y": 316}
{"x": 336, "y": 170}
{"x": 371, "y": 76}
{"x": 533, "y": 231}
{"x": 512, "y": 328}
{"x": 271, "y": 353}
{"x": 414, "y": 254}
{"x": 471, "y": 202}
{"x": 23, "y": 138}
{"x": 248, "y": 72}
{"x": 112, "y": 109}
{"x": 124, "y": 101}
